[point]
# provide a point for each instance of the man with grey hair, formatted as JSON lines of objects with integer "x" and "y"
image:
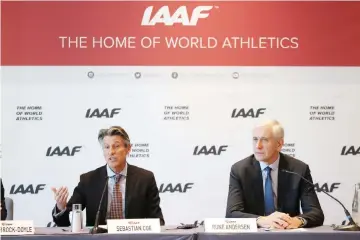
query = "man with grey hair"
{"x": 260, "y": 188}
{"x": 131, "y": 191}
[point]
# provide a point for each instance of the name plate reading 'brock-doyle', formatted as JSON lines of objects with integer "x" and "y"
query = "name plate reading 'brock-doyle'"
{"x": 133, "y": 226}
{"x": 230, "y": 225}
{"x": 16, "y": 227}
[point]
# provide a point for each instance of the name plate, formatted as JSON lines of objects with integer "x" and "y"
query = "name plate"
{"x": 16, "y": 227}
{"x": 133, "y": 226}
{"x": 230, "y": 225}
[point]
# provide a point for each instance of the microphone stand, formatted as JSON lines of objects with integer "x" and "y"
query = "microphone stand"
{"x": 352, "y": 225}
{"x": 96, "y": 229}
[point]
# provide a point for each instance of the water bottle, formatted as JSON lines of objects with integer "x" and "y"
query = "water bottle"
{"x": 77, "y": 218}
{"x": 356, "y": 204}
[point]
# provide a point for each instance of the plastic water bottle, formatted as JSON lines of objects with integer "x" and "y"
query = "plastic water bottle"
{"x": 77, "y": 218}
{"x": 356, "y": 204}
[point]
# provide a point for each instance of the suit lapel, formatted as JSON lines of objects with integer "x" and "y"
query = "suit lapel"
{"x": 130, "y": 186}
{"x": 99, "y": 190}
{"x": 258, "y": 187}
{"x": 283, "y": 179}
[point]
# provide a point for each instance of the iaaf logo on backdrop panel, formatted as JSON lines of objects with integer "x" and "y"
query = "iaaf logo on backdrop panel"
{"x": 181, "y": 15}
{"x": 102, "y": 113}
{"x": 62, "y": 151}
{"x": 350, "y": 150}
{"x": 245, "y": 113}
{"x": 326, "y": 187}
{"x": 212, "y": 150}
{"x": 176, "y": 187}
{"x": 24, "y": 189}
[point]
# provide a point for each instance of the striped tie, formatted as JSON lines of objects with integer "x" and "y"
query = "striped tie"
{"x": 116, "y": 206}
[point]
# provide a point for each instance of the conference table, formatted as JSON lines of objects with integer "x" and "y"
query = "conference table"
{"x": 171, "y": 233}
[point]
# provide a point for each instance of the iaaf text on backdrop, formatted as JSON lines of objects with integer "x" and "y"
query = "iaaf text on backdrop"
{"x": 183, "y": 42}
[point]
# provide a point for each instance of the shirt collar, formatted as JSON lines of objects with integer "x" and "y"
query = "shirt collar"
{"x": 111, "y": 173}
{"x": 273, "y": 166}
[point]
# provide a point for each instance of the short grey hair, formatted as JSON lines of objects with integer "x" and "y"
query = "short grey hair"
{"x": 113, "y": 131}
{"x": 277, "y": 128}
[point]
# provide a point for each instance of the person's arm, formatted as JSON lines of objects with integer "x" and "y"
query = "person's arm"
{"x": 235, "y": 201}
{"x": 313, "y": 215}
{"x": 61, "y": 217}
{"x": 153, "y": 200}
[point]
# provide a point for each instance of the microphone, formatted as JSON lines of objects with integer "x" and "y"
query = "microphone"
{"x": 188, "y": 226}
{"x": 96, "y": 229}
{"x": 352, "y": 225}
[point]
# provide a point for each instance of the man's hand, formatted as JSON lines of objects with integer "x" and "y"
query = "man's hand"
{"x": 294, "y": 223}
{"x": 276, "y": 220}
{"x": 60, "y": 196}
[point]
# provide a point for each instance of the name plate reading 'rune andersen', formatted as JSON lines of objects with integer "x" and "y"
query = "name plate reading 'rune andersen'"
{"x": 133, "y": 226}
{"x": 17, "y": 227}
{"x": 230, "y": 225}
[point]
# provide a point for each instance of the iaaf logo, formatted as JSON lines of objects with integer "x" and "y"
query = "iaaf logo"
{"x": 178, "y": 187}
{"x": 24, "y": 189}
{"x": 212, "y": 150}
{"x": 326, "y": 187}
{"x": 350, "y": 150}
{"x": 65, "y": 151}
{"x": 181, "y": 15}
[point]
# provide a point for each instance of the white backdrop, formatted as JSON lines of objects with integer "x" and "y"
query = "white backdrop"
{"x": 207, "y": 97}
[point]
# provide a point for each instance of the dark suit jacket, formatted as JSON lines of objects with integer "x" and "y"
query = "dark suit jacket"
{"x": 246, "y": 194}
{"x": 141, "y": 197}
{"x": 3, "y": 206}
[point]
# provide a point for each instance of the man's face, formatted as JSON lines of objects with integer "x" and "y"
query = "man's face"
{"x": 266, "y": 146}
{"x": 115, "y": 152}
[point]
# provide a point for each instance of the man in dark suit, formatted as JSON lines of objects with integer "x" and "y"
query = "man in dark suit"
{"x": 259, "y": 188}
{"x": 131, "y": 193}
{"x": 3, "y": 206}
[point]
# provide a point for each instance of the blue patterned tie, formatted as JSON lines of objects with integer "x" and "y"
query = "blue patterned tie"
{"x": 269, "y": 194}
